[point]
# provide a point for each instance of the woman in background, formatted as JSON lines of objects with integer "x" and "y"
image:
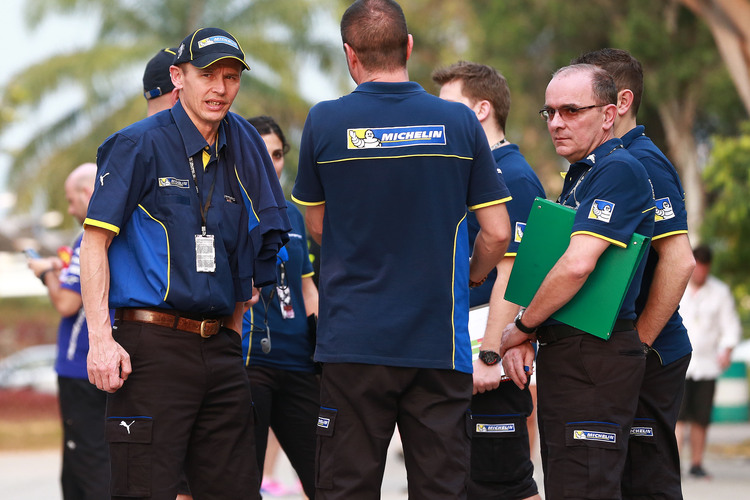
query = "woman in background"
{"x": 278, "y": 343}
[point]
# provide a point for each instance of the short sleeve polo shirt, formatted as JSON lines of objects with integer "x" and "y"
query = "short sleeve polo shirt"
{"x": 524, "y": 186}
{"x": 291, "y": 347}
{"x": 146, "y": 194}
{"x": 612, "y": 195}
{"x": 670, "y": 219}
{"x": 397, "y": 169}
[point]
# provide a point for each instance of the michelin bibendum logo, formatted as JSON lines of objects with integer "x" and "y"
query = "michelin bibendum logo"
{"x": 395, "y": 137}
{"x": 173, "y": 182}
{"x": 495, "y": 428}
{"x": 324, "y": 422}
{"x": 605, "y": 437}
{"x": 642, "y": 431}
{"x": 601, "y": 210}
{"x": 217, "y": 39}
{"x": 664, "y": 209}
{"x": 520, "y": 226}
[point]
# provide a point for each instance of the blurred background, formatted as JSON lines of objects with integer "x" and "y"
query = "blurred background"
{"x": 73, "y": 73}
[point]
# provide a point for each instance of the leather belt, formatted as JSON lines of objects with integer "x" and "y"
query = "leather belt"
{"x": 205, "y": 327}
{"x": 552, "y": 333}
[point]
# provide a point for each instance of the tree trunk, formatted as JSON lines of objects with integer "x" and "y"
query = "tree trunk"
{"x": 729, "y": 22}
{"x": 678, "y": 119}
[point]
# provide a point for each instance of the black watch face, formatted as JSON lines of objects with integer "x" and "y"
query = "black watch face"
{"x": 489, "y": 357}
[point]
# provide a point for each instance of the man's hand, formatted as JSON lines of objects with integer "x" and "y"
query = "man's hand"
{"x": 486, "y": 378}
{"x": 519, "y": 363}
{"x": 38, "y": 266}
{"x": 108, "y": 364}
{"x": 512, "y": 337}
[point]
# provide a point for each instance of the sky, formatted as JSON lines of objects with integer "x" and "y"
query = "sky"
{"x": 54, "y": 36}
{"x": 50, "y": 37}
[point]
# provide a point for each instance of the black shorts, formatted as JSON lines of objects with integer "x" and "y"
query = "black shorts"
{"x": 500, "y": 456}
{"x": 698, "y": 401}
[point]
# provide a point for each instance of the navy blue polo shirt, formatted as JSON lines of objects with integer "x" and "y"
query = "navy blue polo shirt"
{"x": 396, "y": 168}
{"x": 524, "y": 186}
{"x": 145, "y": 193}
{"x": 291, "y": 342}
{"x": 670, "y": 219}
{"x": 612, "y": 195}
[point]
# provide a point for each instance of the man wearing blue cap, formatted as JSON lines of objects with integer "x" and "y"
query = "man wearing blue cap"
{"x": 186, "y": 216}
{"x": 158, "y": 88}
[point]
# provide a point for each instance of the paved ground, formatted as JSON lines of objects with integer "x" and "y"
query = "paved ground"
{"x": 34, "y": 475}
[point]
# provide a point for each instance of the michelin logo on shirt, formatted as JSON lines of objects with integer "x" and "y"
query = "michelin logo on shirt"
{"x": 601, "y": 210}
{"x": 174, "y": 182}
{"x": 605, "y": 437}
{"x": 396, "y": 137}
{"x": 664, "y": 209}
{"x": 520, "y": 226}
{"x": 324, "y": 423}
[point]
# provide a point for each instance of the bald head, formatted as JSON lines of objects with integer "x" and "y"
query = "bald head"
{"x": 78, "y": 189}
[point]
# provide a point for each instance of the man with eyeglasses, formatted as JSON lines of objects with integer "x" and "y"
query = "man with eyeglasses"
{"x": 587, "y": 387}
{"x": 653, "y": 466}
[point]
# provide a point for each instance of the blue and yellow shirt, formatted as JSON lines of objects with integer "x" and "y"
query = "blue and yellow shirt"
{"x": 524, "y": 186}
{"x": 396, "y": 168}
{"x": 146, "y": 195}
{"x": 292, "y": 344}
{"x": 670, "y": 219}
{"x": 612, "y": 195}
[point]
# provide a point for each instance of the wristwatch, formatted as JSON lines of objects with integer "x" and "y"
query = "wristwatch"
{"x": 525, "y": 329}
{"x": 489, "y": 358}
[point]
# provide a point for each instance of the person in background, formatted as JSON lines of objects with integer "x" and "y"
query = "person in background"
{"x": 278, "y": 343}
{"x": 501, "y": 464}
{"x": 386, "y": 174}
{"x": 85, "y": 462}
{"x": 158, "y": 88}
{"x": 711, "y": 319}
{"x": 653, "y": 465}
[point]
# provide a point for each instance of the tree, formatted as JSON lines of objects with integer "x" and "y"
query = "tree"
{"x": 686, "y": 83}
{"x": 729, "y": 22}
{"x": 276, "y": 36}
{"x": 727, "y": 222}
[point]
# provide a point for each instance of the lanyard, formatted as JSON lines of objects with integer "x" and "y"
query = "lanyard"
{"x": 572, "y": 192}
{"x": 204, "y": 208}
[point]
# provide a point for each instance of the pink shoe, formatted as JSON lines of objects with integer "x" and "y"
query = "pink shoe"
{"x": 273, "y": 488}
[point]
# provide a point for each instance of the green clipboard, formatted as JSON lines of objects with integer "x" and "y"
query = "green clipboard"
{"x": 595, "y": 307}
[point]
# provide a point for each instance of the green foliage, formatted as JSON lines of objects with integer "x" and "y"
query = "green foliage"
{"x": 727, "y": 221}
{"x": 276, "y": 36}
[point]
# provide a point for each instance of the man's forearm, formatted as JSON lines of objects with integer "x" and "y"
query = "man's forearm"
{"x": 671, "y": 276}
{"x": 95, "y": 280}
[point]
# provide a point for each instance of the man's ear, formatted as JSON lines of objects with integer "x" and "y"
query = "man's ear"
{"x": 351, "y": 56}
{"x": 483, "y": 109}
{"x": 176, "y": 73}
{"x": 610, "y": 113}
{"x": 624, "y": 101}
{"x": 409, "y": 46}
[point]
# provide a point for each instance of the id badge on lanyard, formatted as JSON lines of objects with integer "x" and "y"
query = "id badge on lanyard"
{"x": 205, "y": 253}
{"x": 205, "y": 249}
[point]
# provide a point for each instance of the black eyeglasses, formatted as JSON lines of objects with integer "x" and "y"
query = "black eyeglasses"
{"x": 566, "y": 112}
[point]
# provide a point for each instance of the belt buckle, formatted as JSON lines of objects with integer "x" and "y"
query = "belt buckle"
{"x": 208, "y": 322}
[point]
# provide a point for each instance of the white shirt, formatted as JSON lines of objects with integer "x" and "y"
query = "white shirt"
{"x": 712, "y": 324}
